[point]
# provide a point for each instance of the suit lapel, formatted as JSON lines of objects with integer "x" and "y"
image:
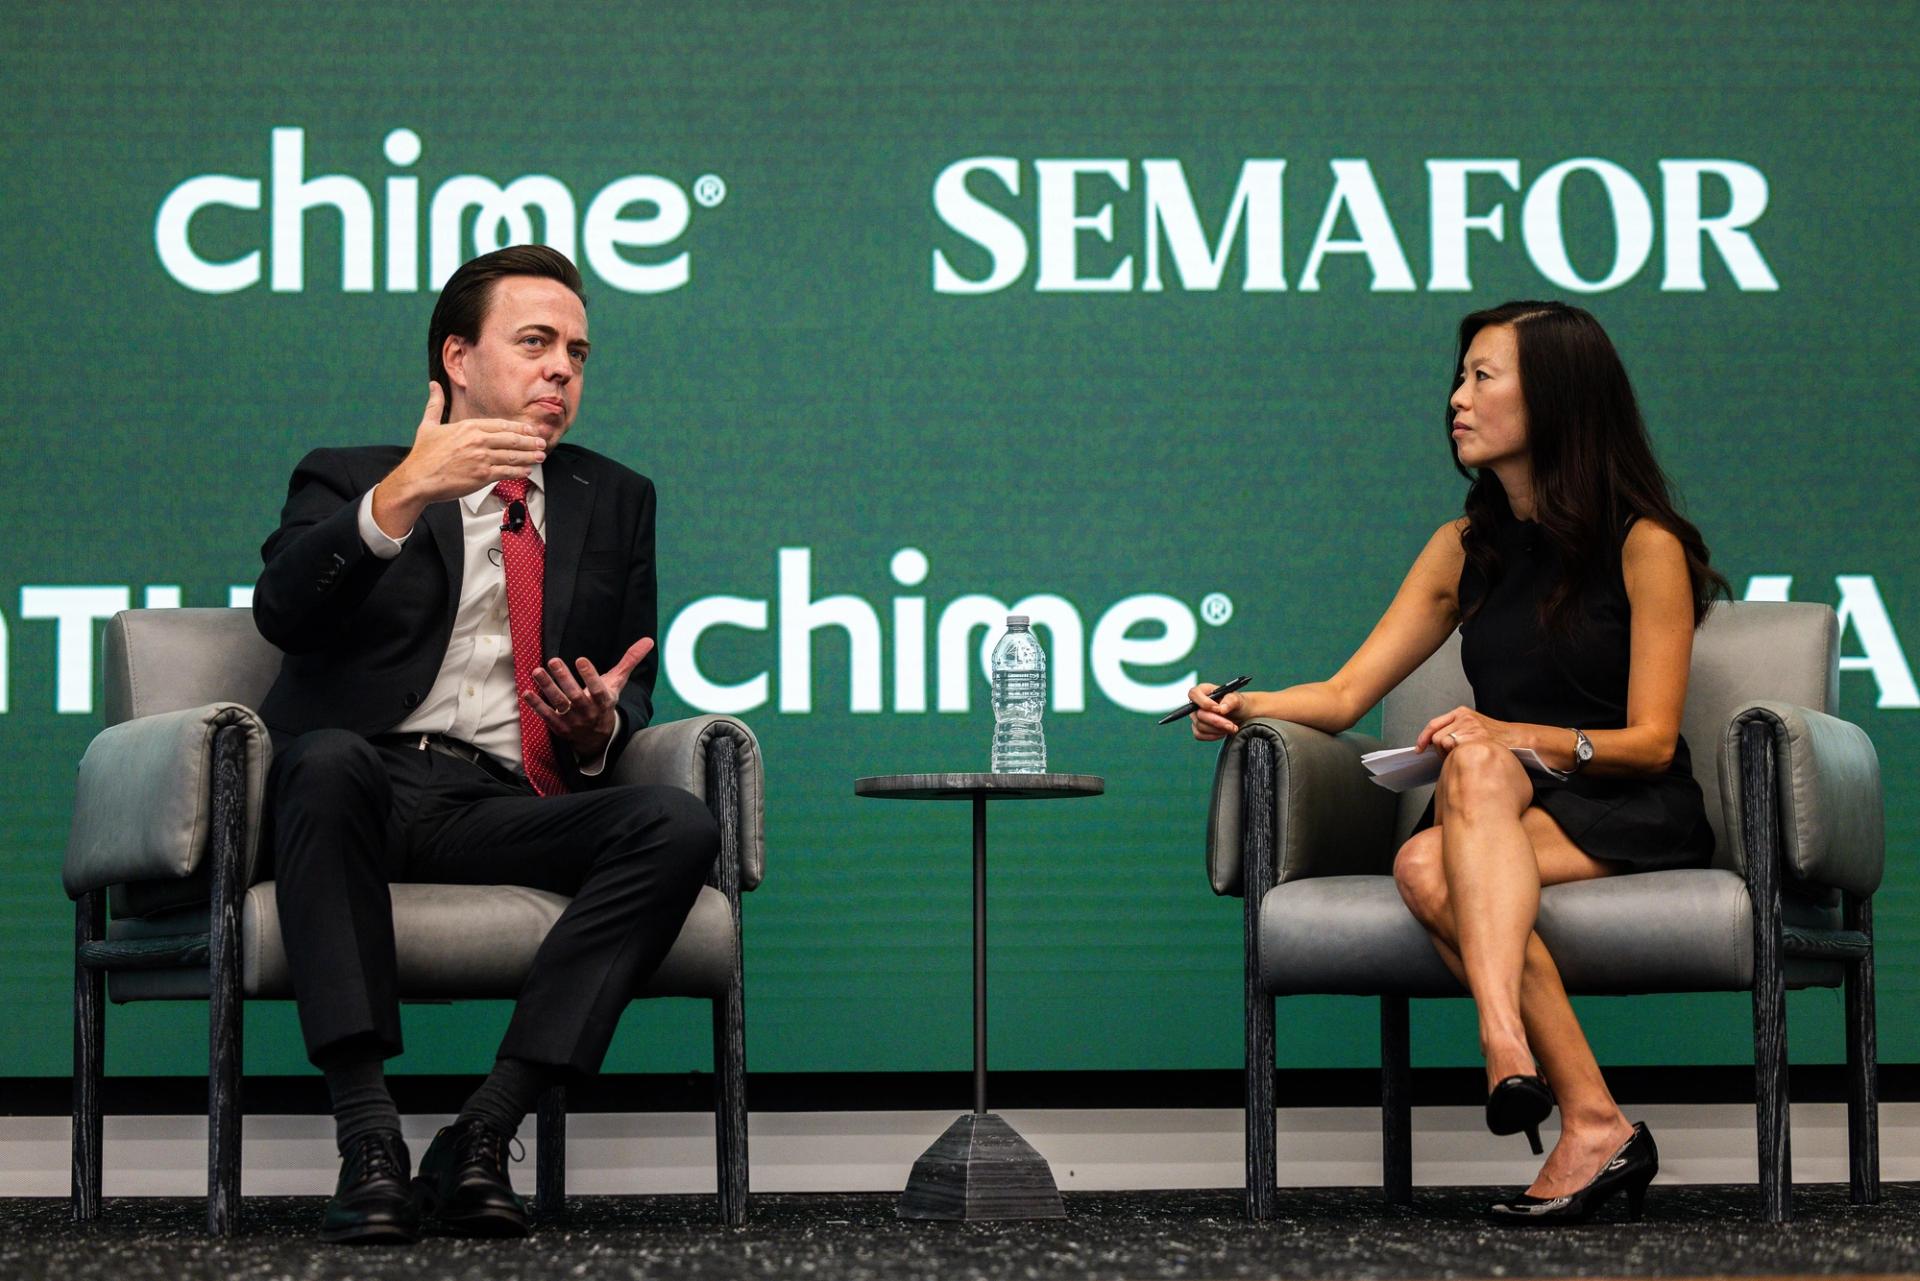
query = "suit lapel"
{"x": 449, "y": 535}
{"x": 569, "y": 508}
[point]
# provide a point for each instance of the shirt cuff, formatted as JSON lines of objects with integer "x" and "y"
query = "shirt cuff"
{"x": 377, "y": 540}
{"x": 599, "y": 767}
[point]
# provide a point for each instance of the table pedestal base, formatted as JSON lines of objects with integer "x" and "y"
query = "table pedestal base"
{"x": 981, "y": 1169}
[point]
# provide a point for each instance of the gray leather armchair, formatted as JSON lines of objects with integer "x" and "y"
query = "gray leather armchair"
{"x": 1793, "y": 793}
{"x": 166, "y": 832}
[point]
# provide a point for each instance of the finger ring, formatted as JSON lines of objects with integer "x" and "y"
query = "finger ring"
{"x": 565, "y": 707}
{"x": 1453, "y": 740}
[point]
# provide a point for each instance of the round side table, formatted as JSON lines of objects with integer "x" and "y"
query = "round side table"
{"x": 980, "y": 1168}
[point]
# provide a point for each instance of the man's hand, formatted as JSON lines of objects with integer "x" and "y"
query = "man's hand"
{"x": 582, "y": 712}
{"x": 449, "y": 460}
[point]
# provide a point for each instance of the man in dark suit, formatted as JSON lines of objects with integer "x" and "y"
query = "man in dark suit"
{"x": 468, "y": 629}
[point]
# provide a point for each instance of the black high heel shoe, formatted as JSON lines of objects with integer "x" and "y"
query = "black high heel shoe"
{"x": 1518, "y": 1105}
{"x": 1629, "y": 1170}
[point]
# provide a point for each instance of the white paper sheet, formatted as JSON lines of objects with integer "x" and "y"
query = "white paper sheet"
{"x": 1400, "y": 769}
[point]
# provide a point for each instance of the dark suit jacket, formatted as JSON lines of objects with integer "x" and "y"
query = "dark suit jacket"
{"x": 365, "y": 637}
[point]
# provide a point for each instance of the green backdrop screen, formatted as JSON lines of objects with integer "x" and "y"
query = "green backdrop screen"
{"x": 1140, "y": 314}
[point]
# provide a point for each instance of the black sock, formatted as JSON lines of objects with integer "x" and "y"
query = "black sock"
{"x": 508, "y": 1094}
{"x": 361, "y": 1104}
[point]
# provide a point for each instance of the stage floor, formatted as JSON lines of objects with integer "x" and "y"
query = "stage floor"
{"x": 1696, "y": 1231}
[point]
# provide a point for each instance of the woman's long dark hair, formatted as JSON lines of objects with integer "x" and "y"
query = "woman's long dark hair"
{"x": 1593, "y": 468}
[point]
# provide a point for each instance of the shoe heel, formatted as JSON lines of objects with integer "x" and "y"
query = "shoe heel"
{"x": 1636, "y": 1200}
{"x": 1533, "y": 1139}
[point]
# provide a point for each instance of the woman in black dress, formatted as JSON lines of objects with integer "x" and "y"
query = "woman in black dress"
{"x": 1577, "y": 588}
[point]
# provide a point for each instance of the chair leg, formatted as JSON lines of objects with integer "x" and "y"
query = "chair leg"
{"x": 1863, "y": 1086}
{"x": 224, "y": 1035}
{"x": 1759, "y": 815}
{"x": 731, "y": 1175}
{"x": 730, "y": 1104}
{"x": 1257, "y": 877}
{"x": 1263, "y": 1160}
{"x": 1771, "y": 1106}
{"x": 89, "y": 1059}
{"x": 225, "y": 1000}
{"x": 550, "y": 1155}
{"x": 1396, "y": 1102}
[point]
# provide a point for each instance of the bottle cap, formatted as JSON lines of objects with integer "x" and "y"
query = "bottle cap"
{"x": 1016, "y": 620}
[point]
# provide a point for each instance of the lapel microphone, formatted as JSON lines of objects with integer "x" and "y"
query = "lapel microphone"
{"x": 516, "y": 517}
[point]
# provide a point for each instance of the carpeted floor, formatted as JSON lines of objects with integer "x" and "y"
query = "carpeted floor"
{"x": 1688, "y": 1231}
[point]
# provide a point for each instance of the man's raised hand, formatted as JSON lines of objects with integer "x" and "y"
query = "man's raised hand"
{"x": 449, "y": 460}
{"x": 582, "y": 711}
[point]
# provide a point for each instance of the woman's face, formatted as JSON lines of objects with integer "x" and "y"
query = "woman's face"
{"x": 1489, "y": 413}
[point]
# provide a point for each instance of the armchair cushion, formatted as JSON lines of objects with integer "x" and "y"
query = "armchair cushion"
{"x": 675, "y": 754}
{"x": 1832, "y": 823}
{"x": 143, "y": 808}
{"x": 1679, "y": 930}
{"x": 452, "y": 942}
{"x": 163, "y": 660}
{"x": 1328, "y": 818}
{"x": 1346, "y": 935}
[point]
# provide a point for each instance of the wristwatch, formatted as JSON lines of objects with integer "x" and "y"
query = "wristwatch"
{"x": 1582, "y": 750}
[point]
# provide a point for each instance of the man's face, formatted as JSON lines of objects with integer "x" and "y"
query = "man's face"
{"x": 528, "y": 362}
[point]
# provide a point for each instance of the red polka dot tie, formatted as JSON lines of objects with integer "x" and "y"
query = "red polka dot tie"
{"x": 526, "y": 563}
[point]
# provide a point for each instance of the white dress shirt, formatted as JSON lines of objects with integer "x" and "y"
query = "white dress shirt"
{"x": 474, "y": 698}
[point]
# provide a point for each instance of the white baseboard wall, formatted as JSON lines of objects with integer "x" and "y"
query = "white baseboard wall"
{"x": 1089, "y": 1150}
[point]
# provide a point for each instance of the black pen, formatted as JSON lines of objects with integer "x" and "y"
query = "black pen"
{"x": 1219, "y": 692}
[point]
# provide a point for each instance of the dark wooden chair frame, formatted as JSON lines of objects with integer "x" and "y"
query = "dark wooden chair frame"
{"x": 219, "y": 951}
{"x": 1773, "y": 943}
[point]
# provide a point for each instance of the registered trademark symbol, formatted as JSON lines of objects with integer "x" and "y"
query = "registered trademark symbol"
{"x": 709, "y": 189}
{"x": 1216, "y": 608}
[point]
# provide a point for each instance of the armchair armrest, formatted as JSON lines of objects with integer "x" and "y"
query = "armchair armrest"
{"x": 1328, "y": 820}
{"x": 143, "y": 808}
{"x": 1831, "y": 822}
{"x": 674, "y": 754}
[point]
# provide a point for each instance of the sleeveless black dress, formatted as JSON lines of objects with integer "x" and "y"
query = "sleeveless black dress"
{"x": 1519, "y": 674}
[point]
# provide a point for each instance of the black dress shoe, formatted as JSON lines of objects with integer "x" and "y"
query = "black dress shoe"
{"x": 1629, "y": 1170}
{"x": 1519, "y": 1104}
{"x": 372, "y": 1204}
{"x": 463, "y": 1182}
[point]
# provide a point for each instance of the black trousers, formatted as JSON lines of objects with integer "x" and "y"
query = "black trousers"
{"x": 349, "y": 817}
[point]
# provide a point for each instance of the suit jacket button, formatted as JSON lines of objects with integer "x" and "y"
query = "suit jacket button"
{"x": 412, "y": 700}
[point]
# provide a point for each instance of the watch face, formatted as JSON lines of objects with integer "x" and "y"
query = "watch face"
{"x": 1584, "y": 750}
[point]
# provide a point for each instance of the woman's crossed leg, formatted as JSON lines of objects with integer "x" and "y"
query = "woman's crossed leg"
{"x": 1473, "y": 880}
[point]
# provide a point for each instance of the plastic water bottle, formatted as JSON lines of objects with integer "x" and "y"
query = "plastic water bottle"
{"x": 1019, "y": 696}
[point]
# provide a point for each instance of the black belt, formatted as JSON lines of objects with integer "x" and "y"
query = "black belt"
{"x": 457, "y": 748}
